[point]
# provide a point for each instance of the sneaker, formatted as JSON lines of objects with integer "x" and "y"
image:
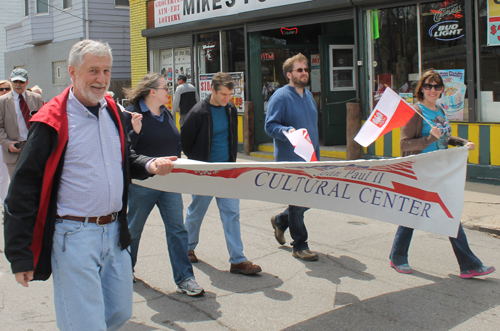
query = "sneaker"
{"x": 190, "y": 287}
{"x": 403, "y": 268}
{"x": 134, "y": 280}
{"x": 305, "y": 255}
{"x": 245, "y": 267}
{"x": 192, "y": 256}
{"x": 481, "y": 271}
{"x": 278, "y": 234}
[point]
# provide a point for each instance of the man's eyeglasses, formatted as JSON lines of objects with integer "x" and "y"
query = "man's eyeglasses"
{"x": 428, "y": 87}
{"x": 18, "y": 82}
{"x": 301, "y": 69}
{"x": 5, "y": 89}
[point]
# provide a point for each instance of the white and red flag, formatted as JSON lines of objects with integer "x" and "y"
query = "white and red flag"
{"x": 303, "y": 145}
{"x": 391, "y": 112}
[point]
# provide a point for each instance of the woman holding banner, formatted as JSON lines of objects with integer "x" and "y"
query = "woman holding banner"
{"x": 153, "y": 133}
{"x": 428, "y": 130}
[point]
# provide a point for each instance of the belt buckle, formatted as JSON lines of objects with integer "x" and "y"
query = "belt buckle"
{"x": 97, "y": 221}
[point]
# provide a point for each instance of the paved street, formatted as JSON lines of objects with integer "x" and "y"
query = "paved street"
{"x": 350, "y": 287}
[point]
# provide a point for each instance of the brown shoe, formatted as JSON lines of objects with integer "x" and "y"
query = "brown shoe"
{"x": 245, "y": 267}
{"x": 278, "y": 234}
{"x": 305, "y": 255}
{"x": 192, "y": 256}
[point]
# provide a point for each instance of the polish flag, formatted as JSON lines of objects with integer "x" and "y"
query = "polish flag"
{"x": 390, "y": 112}
{"x": 303, "y": 145}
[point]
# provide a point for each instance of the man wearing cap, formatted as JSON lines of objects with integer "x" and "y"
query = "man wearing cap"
{"x": 15, "y": 112}
{"x": 185, "y": 98}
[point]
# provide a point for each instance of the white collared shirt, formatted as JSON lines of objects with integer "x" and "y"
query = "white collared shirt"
{"x": 23, "y": 129}
{"x": 92, "y": 177}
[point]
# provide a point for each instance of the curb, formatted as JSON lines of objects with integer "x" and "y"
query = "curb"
{"x": 481, "y": 228}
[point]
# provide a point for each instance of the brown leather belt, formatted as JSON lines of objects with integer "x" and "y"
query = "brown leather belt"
{"x": 101, "y": 220}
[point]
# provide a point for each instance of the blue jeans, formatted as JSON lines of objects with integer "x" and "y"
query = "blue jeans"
{"x": 466, "y": 259}
{"x": 293, "y": 218}
{"x": 229, "y": 210}
{"x": 141, "y": 200}
{"x": 92, "y": 277}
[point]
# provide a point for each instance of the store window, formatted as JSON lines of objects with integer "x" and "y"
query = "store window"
{"x": 342, "y": 70}
{"x": 233, "y": 50}
{"x": 444, "y": 48}
{"x": 489, "y": 60}
{"x": 395, "y": 50}
{"x": 397, "y": 62}
{"x": 167, "y": 70}
{"x": 222, "y": 51}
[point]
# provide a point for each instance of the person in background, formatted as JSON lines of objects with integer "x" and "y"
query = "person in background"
{"x": 418, "y": 136}
{"x": 153, "y": 133}
{"x": 36, "y": 89}
{"x": 65, "y": 213}
{"x": 292, "y": 107}
{"x": 15, "y": 111}
{"x": 185, "y": 98}
{"x": 5, "y": 87}
{"x": 210, "y": 134}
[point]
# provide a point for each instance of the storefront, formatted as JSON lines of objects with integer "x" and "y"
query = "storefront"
{"x": 460, "y": 38}
{"x": 355, "y": 48}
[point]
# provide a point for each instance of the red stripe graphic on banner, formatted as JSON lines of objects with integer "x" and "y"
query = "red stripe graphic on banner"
{"x": 403, "y": 189}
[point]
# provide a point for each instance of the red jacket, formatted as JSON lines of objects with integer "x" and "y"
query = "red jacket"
{"x": 31, "y": 204}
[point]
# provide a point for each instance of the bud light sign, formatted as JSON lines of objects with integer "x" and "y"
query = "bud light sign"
{"x": 446, "y": 31}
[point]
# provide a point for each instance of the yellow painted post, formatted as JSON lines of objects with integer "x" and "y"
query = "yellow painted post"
{"x": 138, "y": 44}
{"x": 494, "y": 141}
{"x": 240, "y": 128}
{"x": 454, "y": 131}
{"x": 474, "y": 137}
{"x": 379, "y": 146}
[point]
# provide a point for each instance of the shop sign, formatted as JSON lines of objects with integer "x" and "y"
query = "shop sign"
{"x": 208, "y": 49}
{"x": 238, "y": 97}
{"x": 452, "y": 99}
{"x": 446, "y": 31}
{"x": 286, "y": 31}
{"x": 171, "y": 12}
{"x": 315, "y": 73}
{"x": 167, "y": 67}
{"x": 267, "y": 56}
{"x": 493, "y": 23}
{"x": 449, "y": 10}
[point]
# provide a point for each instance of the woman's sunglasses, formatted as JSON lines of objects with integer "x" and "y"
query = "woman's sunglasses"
{"x": 5, "y": 89}
{"x": 428, "y": 87}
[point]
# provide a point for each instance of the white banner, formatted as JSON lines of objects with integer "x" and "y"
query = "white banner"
{"x": 423, "y": 191}
{"x": 170, "y": 12}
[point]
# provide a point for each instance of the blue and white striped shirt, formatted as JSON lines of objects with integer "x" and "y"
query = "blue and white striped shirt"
{"x": 92, "y": 177}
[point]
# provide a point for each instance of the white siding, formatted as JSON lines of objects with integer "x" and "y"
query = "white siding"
{"x": 12, "y": 12}
{"x": 112, "y": 25}
{"x": 66, "y": 25}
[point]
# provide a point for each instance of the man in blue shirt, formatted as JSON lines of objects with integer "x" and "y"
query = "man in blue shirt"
{"x": 292, "y": 107}
{"x": 210, "y": 134}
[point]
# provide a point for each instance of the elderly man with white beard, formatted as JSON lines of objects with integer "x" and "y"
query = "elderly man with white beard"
{"x": 66, "y": 208}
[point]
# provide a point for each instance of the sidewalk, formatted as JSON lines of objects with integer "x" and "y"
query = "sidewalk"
{"x": 482, "y": 208}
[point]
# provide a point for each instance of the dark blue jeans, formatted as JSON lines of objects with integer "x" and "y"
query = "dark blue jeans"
{"x": 466, "y": 259}
{"x": 293, "y": 218}
{"x": 141, "y": 200}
